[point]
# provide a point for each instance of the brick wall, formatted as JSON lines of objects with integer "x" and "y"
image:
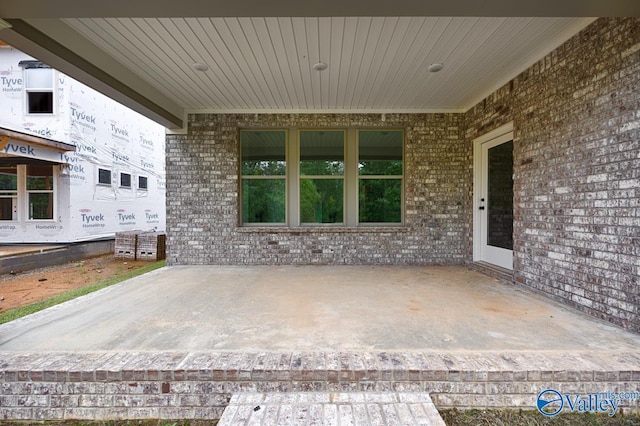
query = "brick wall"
{"x": 202, "y": 196}
{"x": 198, "y": 385}
{"x": 576, "y": 117}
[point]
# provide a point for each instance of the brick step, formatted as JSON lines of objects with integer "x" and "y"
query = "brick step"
{"x": 331, "y": 408}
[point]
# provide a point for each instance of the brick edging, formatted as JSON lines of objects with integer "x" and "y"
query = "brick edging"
{"x": 103, "y": 385}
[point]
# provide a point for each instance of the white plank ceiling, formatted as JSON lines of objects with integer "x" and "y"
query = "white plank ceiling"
{"x": 374, "y": 63}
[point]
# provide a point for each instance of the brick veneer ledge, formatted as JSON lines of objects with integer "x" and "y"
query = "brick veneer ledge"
{"x": 172, "y": 385}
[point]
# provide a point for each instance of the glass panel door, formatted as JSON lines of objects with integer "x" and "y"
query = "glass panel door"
{"x": 493, "y": 199}
{"x": 500, "y": 196}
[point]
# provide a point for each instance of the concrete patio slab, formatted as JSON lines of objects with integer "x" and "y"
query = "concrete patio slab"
{"x": 312, "y": 308}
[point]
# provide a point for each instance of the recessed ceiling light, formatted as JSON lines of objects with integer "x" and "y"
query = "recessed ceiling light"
{"x": 435, "y": 67}
{"x": 320, "y": 66}
{"x": 200, "y": 67}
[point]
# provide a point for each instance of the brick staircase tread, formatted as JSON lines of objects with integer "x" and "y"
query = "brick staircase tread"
{"x": 319, "y": 365}
{"x": 327, "y": 408}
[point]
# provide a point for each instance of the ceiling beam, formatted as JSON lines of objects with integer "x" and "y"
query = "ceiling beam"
{"x": 199, "y": 8}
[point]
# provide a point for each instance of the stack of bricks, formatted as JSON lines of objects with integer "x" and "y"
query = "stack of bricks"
{"x": 126, "y": 245}
{"x": 139, "y": 245}
{"x": 151, "y": 246}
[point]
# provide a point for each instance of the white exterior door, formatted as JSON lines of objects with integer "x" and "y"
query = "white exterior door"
{"x": 493, "y": 198}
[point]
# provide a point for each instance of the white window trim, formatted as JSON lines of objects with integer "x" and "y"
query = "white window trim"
{"x": 22, "y": 188}
{"x": 35, "y": 89}
{"x": 13, "y": 195}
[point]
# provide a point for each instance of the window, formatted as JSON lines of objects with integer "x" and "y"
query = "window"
{"x": 39, "y": 90}
{"x": 380, "y": 176}
{"x": 8, "y": 192}
{"x": 125, "y": 180}
{"x": 142, "y": 182}
{"x": 322, "y": 177}
{"x": 104, "y": 177}
{"x": 263, "y": 181}
{"x": 40, "y": 192}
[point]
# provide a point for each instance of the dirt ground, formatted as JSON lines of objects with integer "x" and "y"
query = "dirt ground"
{"x": 28, "y": 287}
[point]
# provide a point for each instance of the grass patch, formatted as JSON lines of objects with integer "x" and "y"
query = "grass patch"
{"x": 22, "y": 311}
{"x": 455, "y": 417}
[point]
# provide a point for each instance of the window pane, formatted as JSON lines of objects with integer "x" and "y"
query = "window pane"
{"x": 321, "y": 200}
{"x": 104, "y": 176}
{"x": 500, "y": 196}
{"x": 380, "y": 201}
{"x": 39, "y": 78}
{"x": 142, "y": 182}
{"x": 322, "y": 153}
{"x": 263, "y": 201}
{"x": 263, "y": 152}
{"x": 125, "y": 180}
{"x": 41, "y": 205}
{"x": 39, "y": 178}
{"x": 8, "y": 178}
{"x": 380, "y": 152}
{"x": 6, "y": 208}
{"x": 40, "y": 102}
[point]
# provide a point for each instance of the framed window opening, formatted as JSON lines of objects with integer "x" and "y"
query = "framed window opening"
{"x": 143, "y": 183}
{"x": 263, "y": 177}
{"x": 40, "y": 185}
{"x": 380, "y": 176}
{"x": 8, "y": 193}
{"x": 104, "y": 177}
{"x": 322, "y": 177}
{"x": 28, "y": 192}
{"x": 39, "y": 87}
{"x": 125, "y": 180}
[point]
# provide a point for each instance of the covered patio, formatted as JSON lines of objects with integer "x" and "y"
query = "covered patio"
{"x": 263, "y": 296}
{"x": 179, "y": 342}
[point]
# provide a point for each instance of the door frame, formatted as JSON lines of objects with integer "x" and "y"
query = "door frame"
{"x": 503, "y": 132}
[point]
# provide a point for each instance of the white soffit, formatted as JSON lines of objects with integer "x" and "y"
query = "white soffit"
{"x": 374, "y": 63}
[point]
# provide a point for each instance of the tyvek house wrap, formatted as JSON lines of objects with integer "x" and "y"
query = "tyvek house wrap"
{"x": 107, "y": 136}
